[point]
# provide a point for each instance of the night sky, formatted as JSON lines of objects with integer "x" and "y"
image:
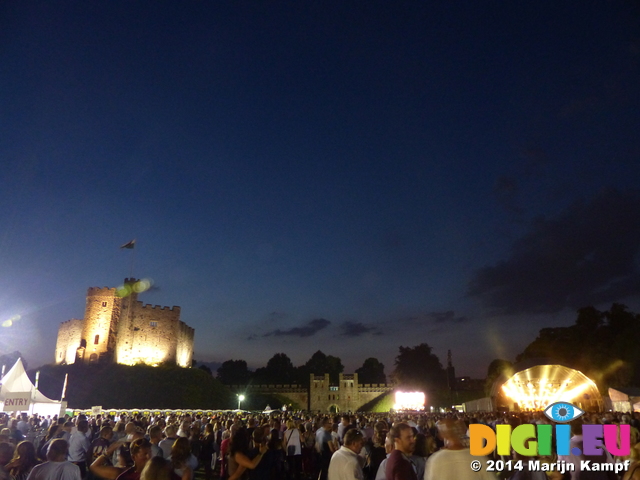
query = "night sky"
{"x": 343, "y": 176}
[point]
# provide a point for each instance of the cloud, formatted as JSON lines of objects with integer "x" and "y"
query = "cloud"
{"x": 584, "y": 256}
{"x": 506, "y": 192}
{"x": 357, "y": 329}
{"x": 308, "y": 330}
{"x": 445, "y": 317}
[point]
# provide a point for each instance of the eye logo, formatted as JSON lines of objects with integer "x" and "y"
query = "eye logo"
{"x": 563, "y": 412}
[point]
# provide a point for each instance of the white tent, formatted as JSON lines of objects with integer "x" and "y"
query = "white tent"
{"x": 18, "y": 394}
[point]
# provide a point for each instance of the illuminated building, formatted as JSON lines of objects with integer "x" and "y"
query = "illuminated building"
{"x": 118, "y": 328}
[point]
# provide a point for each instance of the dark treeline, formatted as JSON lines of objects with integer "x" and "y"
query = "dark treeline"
{"x": 280, "y": 370}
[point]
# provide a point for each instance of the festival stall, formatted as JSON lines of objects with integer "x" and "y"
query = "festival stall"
{"x": 18, "y": 394}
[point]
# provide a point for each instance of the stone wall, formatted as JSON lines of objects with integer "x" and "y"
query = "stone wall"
{"x": 69, "y": 336}
{"x": 184, "y": 352}
{"x": 152, "y": 335}
{"x": 323, "y": 396}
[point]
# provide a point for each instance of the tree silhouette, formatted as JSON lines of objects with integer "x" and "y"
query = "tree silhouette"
{"x": 371, "y": 371}
{"x": 319, "y": 364}
{"x": 234, "y": 372}
{"x": 279, "y": 370}
{"x": 419, "y": 368}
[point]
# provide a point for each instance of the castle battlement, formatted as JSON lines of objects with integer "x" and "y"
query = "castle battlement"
{"x": 126, "y": 331}
{"x": 101, "y": 292}
{"x": 148, "y": 306}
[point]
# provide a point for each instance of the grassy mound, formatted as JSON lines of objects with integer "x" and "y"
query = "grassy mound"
{"x": 382, "y": 403}
{"x": 140, "y": 386}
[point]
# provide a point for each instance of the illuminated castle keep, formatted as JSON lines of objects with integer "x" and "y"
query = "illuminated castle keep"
{"x": 118, "y": 328}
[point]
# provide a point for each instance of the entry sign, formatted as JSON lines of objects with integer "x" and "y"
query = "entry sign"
{"x": 96, "y": 410}
{"x": 17, "y": 402}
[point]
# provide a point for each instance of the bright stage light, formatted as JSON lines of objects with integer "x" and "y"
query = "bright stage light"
{"x": 409, "y": 401}
{"x": 538, "y": 387}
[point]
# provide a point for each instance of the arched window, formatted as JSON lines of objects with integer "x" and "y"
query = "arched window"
{"x": 97, "y": 340}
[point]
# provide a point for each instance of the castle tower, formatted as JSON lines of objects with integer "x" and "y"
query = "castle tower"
{"x": 101, "y": 311}
{"x": 123, "y": 348}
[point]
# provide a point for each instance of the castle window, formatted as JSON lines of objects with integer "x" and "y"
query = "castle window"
{"x": 153, "y": 324}
{"x": 329, "y": 397}
{"x": 97, "y": 340}
{"x": 104, "y": 304}
{"x": 333, "y": 389}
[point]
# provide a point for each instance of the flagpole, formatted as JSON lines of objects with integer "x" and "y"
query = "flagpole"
{"x": 133, "y": 257}
{"x": 64, "y": 387}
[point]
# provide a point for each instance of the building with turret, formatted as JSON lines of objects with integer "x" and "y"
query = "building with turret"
{"x": 323, "y": 395}
{"x": 117, "y": 328}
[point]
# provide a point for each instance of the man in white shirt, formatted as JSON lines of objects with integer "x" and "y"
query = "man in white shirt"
{"x": 57, "y": 466}
{"x": 346, "y": 463}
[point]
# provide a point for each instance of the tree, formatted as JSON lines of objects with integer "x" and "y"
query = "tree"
{"x": 602, "y": 345}
{"x": 319, "y": 364}
{"x": 206, "y": 369}
{"x": 419, "y": 368}
{"x": 371, "y": 371}
{"x": 279, "y": 370}
{"x": 496, "y": 368}
{"x": 234, "y": 372}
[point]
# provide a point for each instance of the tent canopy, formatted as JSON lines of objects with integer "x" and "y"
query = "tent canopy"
{"x": 17, "y": 381}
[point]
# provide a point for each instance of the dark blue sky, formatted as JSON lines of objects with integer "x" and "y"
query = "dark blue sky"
{"x": 343, "y": 176}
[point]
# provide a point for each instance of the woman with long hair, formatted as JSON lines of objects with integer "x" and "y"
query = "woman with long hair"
{"x": 183, "y": 462}
{"x": 156, "y": 469}
{"x": 239, "y": 451}
{"x": 24, "y": 459}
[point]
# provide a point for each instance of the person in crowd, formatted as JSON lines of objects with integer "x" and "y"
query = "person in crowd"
{"x": 207, "y": 450}
{"x": 239, "y": 461}
{"x": 79, "y": 447}
{"x": 23, "y": 461}
{"x": 155, "y": 437}
{"x": 378, "y": 451}
{"x": 381, "y": 474}
{"x": 324, "y": 447}
{"x": 577, "y": 442}
{"x": 224, "y": 454}
{"x": 399, "y": 466}
{"x": 158, "y": 469}
{"x": 452, "y": 462}
{"x": 57, "y": 466}
{"x": 102, "y": 467}
{"x": 308, "y": 440}
{"x": 167, "y": 443}
{"x": 420, "y": 454}
{"x": 183, "y": 462}
{"x": 6, "y": 453}
{"x": 292, "y": 445}
{"x": 346, "y": 463}
{"x": 140, "y": 451}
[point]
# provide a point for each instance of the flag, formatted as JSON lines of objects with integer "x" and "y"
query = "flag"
{"x": 129, "y": 245}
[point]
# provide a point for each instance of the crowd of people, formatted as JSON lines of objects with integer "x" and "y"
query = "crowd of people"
{"x": 275, "y": 446}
